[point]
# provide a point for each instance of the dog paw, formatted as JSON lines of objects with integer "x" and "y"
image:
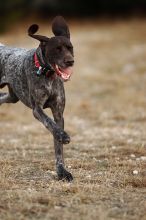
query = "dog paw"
{"x": 63, "y": 174}
{"x": 62, "y": 137}
{"x": 65, "y": 138}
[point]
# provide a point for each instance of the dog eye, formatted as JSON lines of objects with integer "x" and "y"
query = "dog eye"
{"x": 69, "y": 47}
{"x": 59, "y": 48}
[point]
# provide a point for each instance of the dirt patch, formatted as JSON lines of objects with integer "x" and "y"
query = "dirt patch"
{"x": 106, "y": 118}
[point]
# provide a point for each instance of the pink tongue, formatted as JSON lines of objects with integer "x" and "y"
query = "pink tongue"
{"x": 67, "y": 71}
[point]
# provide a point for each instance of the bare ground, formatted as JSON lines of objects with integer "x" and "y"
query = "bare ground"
{"x": 106, "y": 118}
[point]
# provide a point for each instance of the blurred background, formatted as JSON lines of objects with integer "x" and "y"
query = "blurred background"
{"x": 12, "y": 11}
{"x": 105, "y": 115}
{"x": 109, "y": 38}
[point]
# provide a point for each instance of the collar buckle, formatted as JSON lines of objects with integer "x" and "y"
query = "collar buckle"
{"x": 46, "y": 70}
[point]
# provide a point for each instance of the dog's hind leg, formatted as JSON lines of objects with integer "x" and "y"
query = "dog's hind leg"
{"x": 8, "y": 97}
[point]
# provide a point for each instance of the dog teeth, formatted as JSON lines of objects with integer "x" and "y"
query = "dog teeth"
{"x": 61, "y": 72}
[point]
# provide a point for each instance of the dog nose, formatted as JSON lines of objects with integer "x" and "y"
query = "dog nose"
{"x": 69, "y": 62}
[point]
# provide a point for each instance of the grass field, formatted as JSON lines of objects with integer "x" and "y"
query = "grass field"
{"x": 105, "y": 116}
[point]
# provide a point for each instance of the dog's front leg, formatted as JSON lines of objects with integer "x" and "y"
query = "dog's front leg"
{"x": 61, "y": 171}
{"x": 59, "y": 134}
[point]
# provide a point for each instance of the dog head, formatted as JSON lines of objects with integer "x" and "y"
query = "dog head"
{"x": 57, "y": 50}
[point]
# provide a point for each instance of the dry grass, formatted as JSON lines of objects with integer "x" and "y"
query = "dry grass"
{"x": 106, "y": 118}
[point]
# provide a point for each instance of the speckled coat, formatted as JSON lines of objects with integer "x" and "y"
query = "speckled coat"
{"x": 18, "y": 72}
{"x": 17, "y": 69}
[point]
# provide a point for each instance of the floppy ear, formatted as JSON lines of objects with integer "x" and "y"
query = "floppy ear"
{"x": 32, "y": 30}
{"x": 59, "y": 27}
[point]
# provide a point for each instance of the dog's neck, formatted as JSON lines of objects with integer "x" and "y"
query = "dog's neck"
{"x": 40, "y": 55}
{"x": 40, "y": 62}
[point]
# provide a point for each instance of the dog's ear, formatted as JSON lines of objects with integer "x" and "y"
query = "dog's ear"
{"x": 59, "y": 27}
{"x": 32, "y": 30}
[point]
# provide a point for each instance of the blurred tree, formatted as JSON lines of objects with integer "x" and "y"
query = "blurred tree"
{"x": 12, "y": 10}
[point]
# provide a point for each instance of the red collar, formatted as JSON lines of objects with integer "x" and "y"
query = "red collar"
{"x": 42, "y": 69}
{"x": 37, "y": 64}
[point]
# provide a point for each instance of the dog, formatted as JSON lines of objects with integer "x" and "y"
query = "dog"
{"x": 36, "y": 77}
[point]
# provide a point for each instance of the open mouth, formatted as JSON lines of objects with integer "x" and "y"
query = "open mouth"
{"x": 64, "y": 73}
